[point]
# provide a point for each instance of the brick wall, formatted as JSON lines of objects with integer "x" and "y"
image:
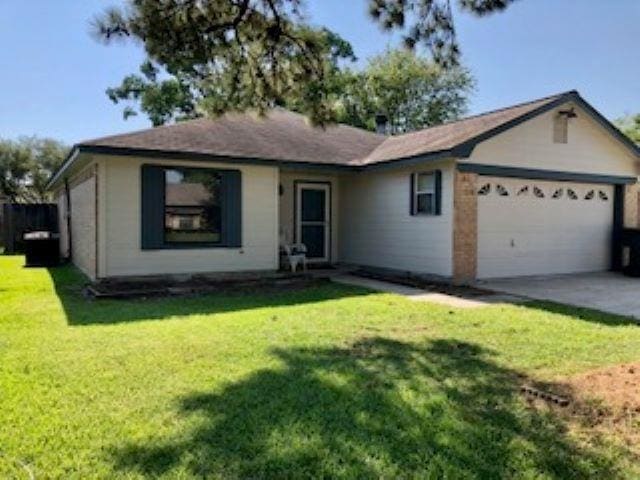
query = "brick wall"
{"x": 631, "y": 206}
{"x": 465, "y": 228}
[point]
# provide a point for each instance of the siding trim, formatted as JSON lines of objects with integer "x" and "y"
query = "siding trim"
{"x": 536, "y": 174}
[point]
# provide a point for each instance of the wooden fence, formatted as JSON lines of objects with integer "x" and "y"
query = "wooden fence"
{"x": 18, "y": 219}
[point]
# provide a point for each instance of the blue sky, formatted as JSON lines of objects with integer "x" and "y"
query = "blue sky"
{"x": 54, "y": 74}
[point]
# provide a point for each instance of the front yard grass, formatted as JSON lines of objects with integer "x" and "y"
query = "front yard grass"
{"x": 327, "y": 381}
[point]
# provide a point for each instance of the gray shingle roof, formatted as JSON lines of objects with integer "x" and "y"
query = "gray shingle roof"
{"x": 287, "y": 136}
{"x": 281, "y": 135}
{"x": 450, "y": 135}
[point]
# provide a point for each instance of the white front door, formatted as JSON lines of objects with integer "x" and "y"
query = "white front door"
{"x": 532, "y": 227}
{"x": 313, "y": 219}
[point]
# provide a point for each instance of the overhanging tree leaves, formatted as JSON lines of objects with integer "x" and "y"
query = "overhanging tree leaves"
{"x": 162, "y": 100}
{"x": 430, "y": 23}
{"x": 223, "y": 55}
{"x": 233, "y": 54}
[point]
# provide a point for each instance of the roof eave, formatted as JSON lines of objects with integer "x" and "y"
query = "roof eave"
{"x": 465, "y": 149}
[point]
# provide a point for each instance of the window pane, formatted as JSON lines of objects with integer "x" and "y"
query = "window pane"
{"x": 425, "y": 203}
{"x": 192, "y": 206}
{"x": 313, "y": 205}
{"x": 426, "y": 182}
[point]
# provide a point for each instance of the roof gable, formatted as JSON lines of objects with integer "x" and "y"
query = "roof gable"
{"x": 284, "y": 137}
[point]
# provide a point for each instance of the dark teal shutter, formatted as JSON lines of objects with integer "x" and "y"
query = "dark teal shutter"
{"x": 412, "y": 194}
{"x": 438, "y": 188}
{"x": 152, "y": 211}
{"x": 231, "y": 197}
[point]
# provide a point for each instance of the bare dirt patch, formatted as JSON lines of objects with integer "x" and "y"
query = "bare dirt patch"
{"x": 603, "y": 401}
{"x": 617, "y": 386}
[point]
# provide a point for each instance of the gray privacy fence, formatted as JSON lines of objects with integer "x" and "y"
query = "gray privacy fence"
{"x": 16, "y": 219}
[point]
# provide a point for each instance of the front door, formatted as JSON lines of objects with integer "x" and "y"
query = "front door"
{"x": 313, "y": 219}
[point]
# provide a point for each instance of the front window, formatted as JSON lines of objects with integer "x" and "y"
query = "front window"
{"x": 192, "y": 211}
{"x": 425, "y": 193}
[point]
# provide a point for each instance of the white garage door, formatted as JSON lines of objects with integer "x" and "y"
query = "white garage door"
{"x": 528, "y": 227}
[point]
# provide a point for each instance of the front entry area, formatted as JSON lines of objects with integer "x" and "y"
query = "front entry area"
{"x": 534, "y": 227}
{"x": 313, "y": 219}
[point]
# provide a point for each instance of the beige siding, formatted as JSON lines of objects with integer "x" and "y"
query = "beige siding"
{"x": 83, "y": 221}
{"x": 376, "y": 228}
{"x": 121, "y": 246}
{"x": 589, "y": 149}
{"x": 61, "y": 201}
{"x": 287, "y": 227}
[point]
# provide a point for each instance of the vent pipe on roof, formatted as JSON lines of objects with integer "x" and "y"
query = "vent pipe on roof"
{"x": 382, "y": 124}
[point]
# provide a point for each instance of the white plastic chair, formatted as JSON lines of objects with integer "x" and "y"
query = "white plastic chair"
{"x": 296, "y": 255}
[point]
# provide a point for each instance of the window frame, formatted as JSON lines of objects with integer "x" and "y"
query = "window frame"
{"x": 153, "y": 202}
{"x": 436, "y": 209}
{"x": 181, "y": 245}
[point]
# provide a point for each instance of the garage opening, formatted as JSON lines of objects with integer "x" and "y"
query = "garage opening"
{"x": 533, "y": 227}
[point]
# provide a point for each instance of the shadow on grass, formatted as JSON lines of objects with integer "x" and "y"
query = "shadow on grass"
{"x": 584, "y": 314}
{"x": 69, "y": 283}
{"x": 377, "y": 408}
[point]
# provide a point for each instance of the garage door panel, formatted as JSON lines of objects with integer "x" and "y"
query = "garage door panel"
{"x": 530, "y": 227}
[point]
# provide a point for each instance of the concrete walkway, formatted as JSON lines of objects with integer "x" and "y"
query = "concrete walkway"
{"x": 605, "y": 291}
{"x": 419, "y": 295}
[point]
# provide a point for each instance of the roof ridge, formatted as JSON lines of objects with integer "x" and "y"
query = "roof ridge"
{"x": 490, "y": 112}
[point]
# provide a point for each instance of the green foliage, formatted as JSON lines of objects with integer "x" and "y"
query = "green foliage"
{"x": 222, "y": 55}
{"x": 162, "y": 101}
{"x": 630, "y": 126}
{"x": 231, "y": 55}
{"x": 430, "y": 22}
{"x": 411, "y": 91}
{"x": 320, "y": 382}
{"x": 26, "y": 166}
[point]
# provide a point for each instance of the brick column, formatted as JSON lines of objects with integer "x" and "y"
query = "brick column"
{"x": 631, "y": 206}
{"x": 465, "y": 228}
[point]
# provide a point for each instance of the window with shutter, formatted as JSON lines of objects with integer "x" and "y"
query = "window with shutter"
{"x": 190, "y": 207}
{"x": 426, "y": 193}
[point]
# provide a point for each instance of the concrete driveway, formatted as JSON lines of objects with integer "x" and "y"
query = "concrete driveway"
{"x": 605, "y": 291}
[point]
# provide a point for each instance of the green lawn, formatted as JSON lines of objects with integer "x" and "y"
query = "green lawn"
{"x": 329, "y": 381}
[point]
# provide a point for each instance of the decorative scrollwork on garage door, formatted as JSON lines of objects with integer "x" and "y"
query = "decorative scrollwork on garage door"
{"x": 558, "y": 193}
{"x": 590, "y": 195}
{"x": 603, "y": 196}
{"x": 502, "y": 191}
{"x": 523, "y": 191}
{"x": 485, "y": 189}
{"x": 572, "y": 194}
{"x": 537, "y": 191}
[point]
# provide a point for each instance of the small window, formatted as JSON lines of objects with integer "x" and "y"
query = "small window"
{"x": 426, "y": 193}
{"x": 537, "y": 191}
{"x": 560, "y": 129}
{"x": 192, "y": 206}
{"x": 485, "y": 189}
{"x": 502, "y": 191}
